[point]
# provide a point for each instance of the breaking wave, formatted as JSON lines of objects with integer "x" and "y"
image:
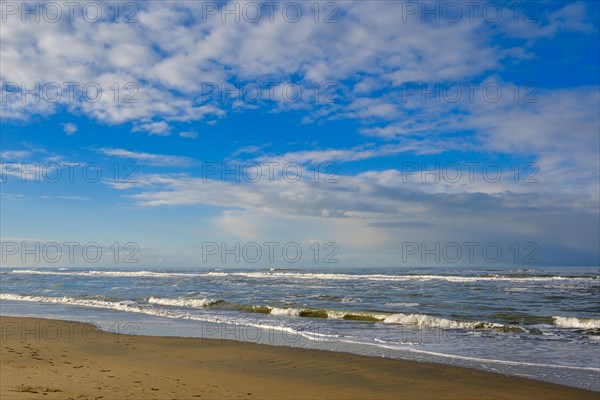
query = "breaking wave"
{"x": 183, "y": 302}
{"x": 577, "y": 323}
{"x": 277, "y": 274}
{"x": 420, "y": 320}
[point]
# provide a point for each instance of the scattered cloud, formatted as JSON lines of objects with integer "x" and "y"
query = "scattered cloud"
{"x": 15, "y": 196}
{"x": 69, "y": 128}
{"x": 250, "y": 149}
{"x": 160, "y": 128}
{"x": 161, "y": 160}
{"x": 163, "y": 73}
{"x": 189, "y": 134}
{"x": 77, "y": 198}
{"x": 14, "y": 155}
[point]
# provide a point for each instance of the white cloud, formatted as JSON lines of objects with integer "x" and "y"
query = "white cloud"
{"x": 69, "y": 128}
{"x": 372, "y": 211}
{"x": 539, "y": 21}
{"x": 161, "y": 64}
{"x": 360, "y": 153}
{"x": 189, "y": 134}
{"x": 162, "y": 160}
{"x": 14, "y": 155}
{"x": 160, "y": 128}
{"x": 78, "y": 198}
{"x": 564, "y": 143}
{"x": 250, "y": 149}
{"x": 15, "y": 196}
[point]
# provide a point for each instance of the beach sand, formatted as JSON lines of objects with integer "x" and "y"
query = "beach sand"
{"x": 45, "y": 359}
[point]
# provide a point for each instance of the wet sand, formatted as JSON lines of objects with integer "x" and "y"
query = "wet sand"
{"x": 46, "y": 359}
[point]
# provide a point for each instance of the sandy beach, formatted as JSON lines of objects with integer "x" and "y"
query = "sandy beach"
{"x": 67, "y": 360}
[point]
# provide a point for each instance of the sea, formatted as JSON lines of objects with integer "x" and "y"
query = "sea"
{"x": 539, "y": 323}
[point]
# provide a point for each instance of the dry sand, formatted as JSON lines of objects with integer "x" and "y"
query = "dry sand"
{"x": 45, "y": 359}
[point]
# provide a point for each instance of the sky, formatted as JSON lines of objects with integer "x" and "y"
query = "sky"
{"x": 300, "y": 134}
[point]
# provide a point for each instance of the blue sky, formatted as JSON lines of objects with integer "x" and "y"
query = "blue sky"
{"x": 373, "y": 94}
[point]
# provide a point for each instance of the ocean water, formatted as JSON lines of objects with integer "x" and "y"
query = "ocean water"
{"x": 542, "y": 323}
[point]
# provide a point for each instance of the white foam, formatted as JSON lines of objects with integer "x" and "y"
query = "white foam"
{"x": 182, "y": 302}
{"x": 320, "y": 337}
{"x": 482, "y": 360}
{"x": 577, "y": 323}
{"x": 129, "y": 306}
{"x": 149, "y": 274}
{"x": 402, "y": 304}
{"x": 316, "y": 276}
{"x": 350, "y": 300}
{"x": 126, "y": 305}
{"x": 436, "y": 322}
{"x": 292, "y": 312}
{"x": 402, "y": 319}
{"x": 382, "y": 277}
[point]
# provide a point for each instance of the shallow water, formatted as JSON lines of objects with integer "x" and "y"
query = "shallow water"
{"x": 542, "y": 323}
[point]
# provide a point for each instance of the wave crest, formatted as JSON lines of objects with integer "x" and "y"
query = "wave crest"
{"x": 577, "y": 323}
{"x": 183, "y": 302}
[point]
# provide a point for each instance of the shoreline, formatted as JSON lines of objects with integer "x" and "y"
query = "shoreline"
{"x": 54, "y": 359}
